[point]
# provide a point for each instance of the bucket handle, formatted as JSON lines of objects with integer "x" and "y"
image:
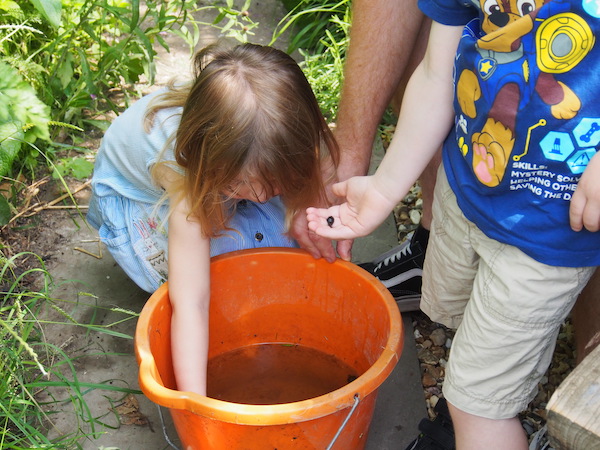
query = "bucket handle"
{"x": 339, "y": 431}
{"x": 164, "y": 428}
{"x": 329, "y": 447}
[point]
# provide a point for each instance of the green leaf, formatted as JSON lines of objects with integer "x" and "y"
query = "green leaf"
{"x": 11, "y": 137}
{"x": 50, "y": 9}
{"x": 5, "y": 213}
{"x": 20, "y": 104}
{"x": 135, "y": 14}
{"x": 65, "y": 71}
{"x": 81, "y": 168}
{"x": 101, "y": 124}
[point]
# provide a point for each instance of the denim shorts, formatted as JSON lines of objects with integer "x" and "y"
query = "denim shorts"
{"x": 507, "y": 308}
{"x": 136, "y": 233}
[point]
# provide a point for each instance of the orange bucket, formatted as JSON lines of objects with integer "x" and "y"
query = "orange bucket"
{"x": 279, "y": 296}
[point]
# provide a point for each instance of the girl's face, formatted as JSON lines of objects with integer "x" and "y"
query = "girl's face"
{"x": 249, "y": 189}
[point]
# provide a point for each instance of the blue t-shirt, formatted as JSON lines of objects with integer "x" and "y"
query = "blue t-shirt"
{"x": 527, "y": 120}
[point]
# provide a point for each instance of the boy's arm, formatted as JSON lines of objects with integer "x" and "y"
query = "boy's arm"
{"x": 585, "y": 204}
{"x": 425, "y": 119}
{"x": 189, "y": 291}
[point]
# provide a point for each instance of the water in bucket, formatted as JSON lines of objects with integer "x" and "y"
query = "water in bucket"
{"x": 276, "y": 373}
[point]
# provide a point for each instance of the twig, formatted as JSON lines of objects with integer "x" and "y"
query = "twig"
{"x": 82, "y": 250}
{"x": 62, "y": 197}
{"x": 37, "y": 207}
{"x": 16, "y": 216}
{"x": 67, "y": 207}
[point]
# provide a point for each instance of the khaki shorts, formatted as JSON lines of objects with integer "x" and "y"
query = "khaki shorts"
{"x": 507, "y": 309}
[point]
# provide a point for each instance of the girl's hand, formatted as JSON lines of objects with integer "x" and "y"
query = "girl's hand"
{"x": 585, "y": 204}
{"x": 365, "y": 209}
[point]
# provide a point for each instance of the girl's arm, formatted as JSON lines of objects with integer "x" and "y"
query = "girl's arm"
{"x": 425, "y": 119}
{"x": 585, "y": 204}
{"x": 189, "y": 292}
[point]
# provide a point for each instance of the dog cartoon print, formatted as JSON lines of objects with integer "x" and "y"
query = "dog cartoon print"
{"x": 512, "y": 65}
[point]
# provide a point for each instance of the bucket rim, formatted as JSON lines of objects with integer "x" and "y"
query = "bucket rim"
{"x": 272, "y": 414}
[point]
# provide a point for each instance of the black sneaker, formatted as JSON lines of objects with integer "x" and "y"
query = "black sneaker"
{"x": 401, "y": 268}
{"x": 436, "y": 434}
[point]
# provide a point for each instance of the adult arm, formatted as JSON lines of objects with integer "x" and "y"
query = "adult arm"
{"x": 382, "y": 37}
{"x": 425, "y": 119}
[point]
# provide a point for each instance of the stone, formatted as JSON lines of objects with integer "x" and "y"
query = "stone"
{"x": 438, "y": 337}
{"x": 428, "y": 380}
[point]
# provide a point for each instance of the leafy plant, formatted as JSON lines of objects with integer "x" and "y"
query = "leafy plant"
{"x": 23, "y": 117}
{"x": 311, "y": 21}
{"x": 238, "y": 23}
{"x": 74, "y": 163}
{"x": 67, "y": 56}
{"x": 76, "y": 167}
{"x": 321, "y": 34}
{"x": 325, "y": 71}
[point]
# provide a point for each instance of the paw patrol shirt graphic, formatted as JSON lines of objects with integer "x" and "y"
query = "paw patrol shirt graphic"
{"x": 527, "y": 120}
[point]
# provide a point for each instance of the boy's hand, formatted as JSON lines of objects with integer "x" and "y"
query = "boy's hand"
{"x": 364, "y": 210}
{"x": 585, "y": 204}
{"x": 318, "y": 246}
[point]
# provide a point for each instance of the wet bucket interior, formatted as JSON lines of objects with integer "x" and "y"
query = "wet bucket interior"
{"x": 283, "y": 297}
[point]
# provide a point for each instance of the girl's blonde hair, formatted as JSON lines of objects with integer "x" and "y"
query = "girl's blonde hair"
{"x": 250, "y": 112}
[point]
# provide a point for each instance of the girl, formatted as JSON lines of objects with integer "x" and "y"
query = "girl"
{"x": 205, "y": 168}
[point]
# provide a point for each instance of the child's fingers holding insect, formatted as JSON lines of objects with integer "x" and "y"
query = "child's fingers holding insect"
{"x": 327, "y": 222}
{"x": 322, "y": 218}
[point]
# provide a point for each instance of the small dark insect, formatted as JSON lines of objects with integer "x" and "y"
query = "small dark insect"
{"x": 330, "y": 221}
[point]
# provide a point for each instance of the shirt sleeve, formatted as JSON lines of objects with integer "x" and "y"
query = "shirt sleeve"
{"x": 449, "y": 12}
{"x": 163, "y": 131}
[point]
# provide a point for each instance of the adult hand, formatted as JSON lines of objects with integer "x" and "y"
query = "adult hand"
{"x": 585, "y": 204}
{"x": 354, "y": 161}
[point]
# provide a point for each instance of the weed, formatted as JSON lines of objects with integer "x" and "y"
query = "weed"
{"x": 31, "y": 369}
